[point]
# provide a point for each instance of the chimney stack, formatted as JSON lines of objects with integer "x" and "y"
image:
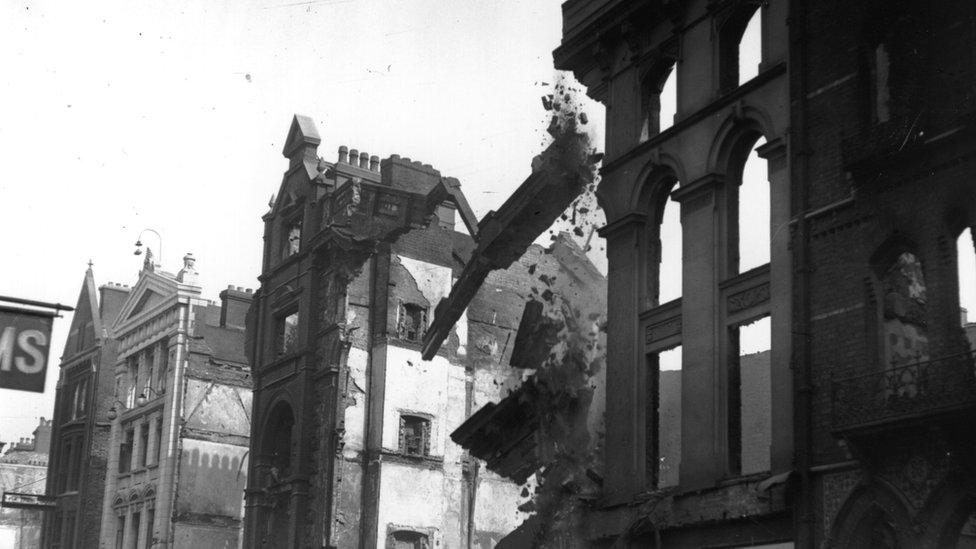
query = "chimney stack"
{"x": 344, "y": 154}
{"x": 234, "y": 303}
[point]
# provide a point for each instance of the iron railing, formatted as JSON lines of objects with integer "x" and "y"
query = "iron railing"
{"x": 903, "y": 393}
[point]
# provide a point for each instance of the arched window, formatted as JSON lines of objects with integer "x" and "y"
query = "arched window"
{"x": 279, "y": 441}
{"x": 669, "y": 273}
{"x": 752, "y": 217}
{"x": 659, "y": 102}
{"x": 750, "y": 49}
{"x": 904, "y": 312}
{"x": 740, "y": 45}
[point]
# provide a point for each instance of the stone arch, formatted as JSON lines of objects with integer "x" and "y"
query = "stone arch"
{"x": 656, "y": 182}
{"x": 278, "y": 436}
{"x": 149, "y": 493}
{"x": 736, "y": 136}
{"x": 874, "y": 515}
{"x": 730, "y": 26}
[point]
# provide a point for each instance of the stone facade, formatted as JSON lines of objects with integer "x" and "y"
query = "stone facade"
{"x": 351, "y": 425}
{"x": 152, "y": 417}
{"x": 80, "y": 425}
{"x": 866, "y": 110}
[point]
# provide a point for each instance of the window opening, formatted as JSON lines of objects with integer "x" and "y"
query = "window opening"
{"x": 749, "y": 394}
{"x": 753, "y": 213}
{"x": 292, "y": 238}
{"x": 669, "y": 275}
{"x": 288, "y": 334}
{"x": 966, "y": 255}
{"x": 143, "y": 444}
{"x": 412, "y": 322}
{"x": 281, "y": 443}
{"x": 125, "y": 451}
{"x": 159, "y": 439}
{"x": 135, "y": 530}
{"x": 410, "y": 540}
{"x": 659, "y": 103}
{"x": 120, "y": 532}
{"x": 414, "y": 435}
{"x": 665, "y": 415}
{"x": 906, "y": 340}
{"x": 750, "y": 48}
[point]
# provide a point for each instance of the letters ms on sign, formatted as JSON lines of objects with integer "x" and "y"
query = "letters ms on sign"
{"x": 25, "y": 338}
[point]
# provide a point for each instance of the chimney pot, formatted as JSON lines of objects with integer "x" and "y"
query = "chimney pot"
{"x": 249, "y": 290}
{"x": 239, "y": 288}
{"x": 364, "y": 160}
{"x": 374, "y": 163}
{"x": 353, "y": 156}
{"x": 343, "y": 154}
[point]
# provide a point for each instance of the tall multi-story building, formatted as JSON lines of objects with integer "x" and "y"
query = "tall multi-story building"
{"x": 351, "y": 446}
{"x": 80, "y": 425}
{"x": 864, "y": 116}
{"x": 180, "y": 420}
{"x": 23, "y": 470}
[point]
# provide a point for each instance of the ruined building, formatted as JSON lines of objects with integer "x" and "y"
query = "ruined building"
{"x": 152, "y": 428}
{"x": 23, "y": 470}
{"x": 350, "y": 440}
{"x": 862, "y": 114}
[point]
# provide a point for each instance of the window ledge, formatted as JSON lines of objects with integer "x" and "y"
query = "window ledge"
{"x": 427, "y": 462}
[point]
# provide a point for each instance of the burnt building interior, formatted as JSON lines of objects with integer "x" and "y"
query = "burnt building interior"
{"x": 852, "y": 427}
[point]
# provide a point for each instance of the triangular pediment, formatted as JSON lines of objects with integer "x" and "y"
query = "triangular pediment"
{"x": 152, "y": 290}
{"x": 86, "y": 326}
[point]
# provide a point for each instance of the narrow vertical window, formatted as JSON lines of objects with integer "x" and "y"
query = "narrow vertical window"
{"x": 159, "y": 439}
{"x": 967, "y": 285}
{"x": 668, "y": 403}
{"x": 753, "y": 212}
{"x": 750, "y": 49}
{"x": 411, "y": 322}
{"x": 414, "y": 435}
{"x": 143, "y": 444}
{"x": 125, "y": 451}
{"x": 120, "y": 532}
{"x": 749, "y": 398}
{"x": 905, "y": 304}
{"x": 659, "y": 98}
{"x": 669, "y": 275}
{"x": 287, "y": 334}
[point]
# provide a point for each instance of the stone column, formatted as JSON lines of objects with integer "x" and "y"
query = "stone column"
{"x": 128, "y": 535}
{"x": 703, "y": 413}
{"x": 153, "y": 440}
{"x": 780, "y": 307}
{"x": 138, "y": 426}
{"x": 626, "y": 371}
{"x": 142, "y": 541}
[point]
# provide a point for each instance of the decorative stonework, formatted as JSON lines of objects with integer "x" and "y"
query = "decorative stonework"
{"x": 666, "y": 328}
{"x": 748, "y": 298}
{"x": 917, "y": 475}
{"x": 837, "y": 488}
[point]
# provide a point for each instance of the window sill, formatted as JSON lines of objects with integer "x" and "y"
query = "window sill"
{"x": 427, "y": 462}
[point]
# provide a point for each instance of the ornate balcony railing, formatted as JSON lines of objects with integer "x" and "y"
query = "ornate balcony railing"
{"x": 905, "y": 393}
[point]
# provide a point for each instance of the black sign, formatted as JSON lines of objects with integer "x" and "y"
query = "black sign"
{"x": 25, "y": 339}
{"x": 13, "y": 500}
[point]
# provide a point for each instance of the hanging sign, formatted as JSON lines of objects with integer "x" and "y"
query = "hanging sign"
{"x": 25, "y": 339}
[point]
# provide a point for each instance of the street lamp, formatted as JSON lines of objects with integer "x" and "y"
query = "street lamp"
{"x": 142, "y": 399}
{"x": 113, "y": 412}
{"x": 138, "y": 250}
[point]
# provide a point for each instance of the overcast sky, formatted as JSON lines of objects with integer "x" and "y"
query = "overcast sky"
{"x": 171, "y": 115}
{"x": 119, "y": 116}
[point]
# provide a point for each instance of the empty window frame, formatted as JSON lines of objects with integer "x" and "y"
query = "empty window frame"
{"x": 291, "y": 238}
{"x": 159, "y": 439}
{"x": 664, "y": 418}
{"x": 279, "y": 441}
{"x": 286, "y": 333}
{"x": 411, "y": 321}
{"x": 659, "y": 102}
{"x": 406, "y": 539}
{"x": 414, "y": 435}
{"x": 752, "y": 215}
{"x": 749, "y": 409}
{"x": 740, "y": 45}
{"x": 669, "y": 273}
{"x": 966, "y": 265}
{"x": 904, "y": 313}
{"x": 879, "y": 61}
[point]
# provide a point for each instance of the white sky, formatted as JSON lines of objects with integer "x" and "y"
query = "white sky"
{"x": 119, "y": 116}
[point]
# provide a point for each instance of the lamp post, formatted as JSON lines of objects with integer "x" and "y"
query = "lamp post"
{"x": 142, "y": 399}
{"x": 113, "y": 413}
{"x": 138, "y": 250}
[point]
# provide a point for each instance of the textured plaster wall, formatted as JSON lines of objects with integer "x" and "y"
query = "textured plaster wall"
{"x": 356, "y": 411}
{"x": 212, "y": 480}
{"x": 414, "y": 385}
{"x": 415, "y": 498}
